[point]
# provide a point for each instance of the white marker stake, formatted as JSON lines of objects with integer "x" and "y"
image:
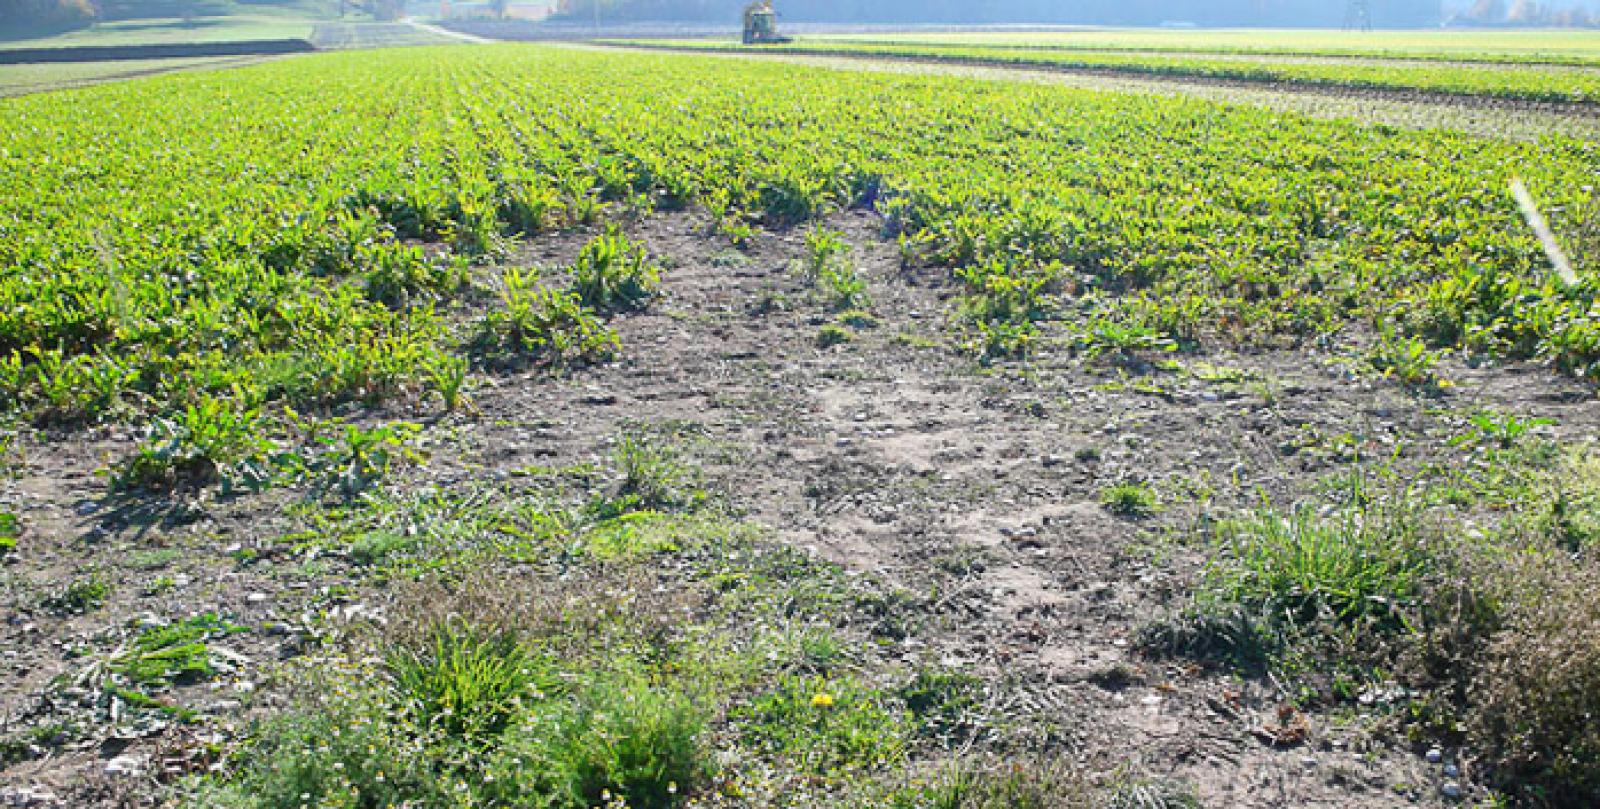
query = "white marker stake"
{"x": 1530, "y": 212}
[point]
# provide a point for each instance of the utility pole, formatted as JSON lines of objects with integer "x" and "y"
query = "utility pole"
{"x": 596, "y": 17}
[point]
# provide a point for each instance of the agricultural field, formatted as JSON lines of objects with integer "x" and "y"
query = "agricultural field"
{"x": 1526, "y": 46}
{"x": 33, "y": 78}
{"x": 335, "y": 36}
{"x": 508, "y": 425}
{"x": 1504, "y": 78}
{"x": 172, "y": 31}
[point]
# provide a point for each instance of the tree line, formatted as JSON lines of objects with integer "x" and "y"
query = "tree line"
{"x": 1297, "y": 13}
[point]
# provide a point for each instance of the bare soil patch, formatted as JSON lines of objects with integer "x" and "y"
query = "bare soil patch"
{"x": 892, "y": 454}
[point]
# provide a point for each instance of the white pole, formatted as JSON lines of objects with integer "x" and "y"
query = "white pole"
{"x": 1547, "y": 239}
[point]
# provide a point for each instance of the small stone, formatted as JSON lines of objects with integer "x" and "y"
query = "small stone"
{"x": 125, "y": 765}
{"x": 256, "y": 598}
{"x": 1434, "y": 755}
{"x": 1451, "y": 771}
{"x": 1308, "y": 761}
{"x": 28, "y": 796}
{"x": 1451, "y": 790}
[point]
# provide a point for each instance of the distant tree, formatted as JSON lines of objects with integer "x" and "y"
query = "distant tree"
{"x": 1576, "y": 17}
{"x": 45, "y": 15}
{"x": 1487, "y": 11}
{"x": 498, "y": 7}
{"x": 388, "y": 10}
{"x": 1525, "y": 12}
{"x": 1102, "y": 12}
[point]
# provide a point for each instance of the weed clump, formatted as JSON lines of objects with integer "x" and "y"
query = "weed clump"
{"x": 481, "y": 714}
{"x": 942, "y": 702}
{"x": 1130, "y": 499}
{"x": 649, "y": 477}
{"x": 174, "y": 653}
{"x": 1533, "y": 704}
{"x": 1491, "y": 639}
{"x": 546, "y": 325}
{"x": 401, "y": 276}
{"x": 1003, "y": 306}
{"x": 1025, "y": 784}
{"x": 826, "y": 726}
{"x": 828, "y": 268}
{"x": 211, "y": 441}
{"x": 613, "y": 273}
{"x": 833, "y": 334}
{"x": 465, "y": 682}
{"x": 1306, "y": 569}
{"x": 10, "y": 530}
{"x": 619, "y": 740}
{"x": 80, "y": 596}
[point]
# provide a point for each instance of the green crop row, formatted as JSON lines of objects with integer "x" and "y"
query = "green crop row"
{"x": 1502, "y": 46}
{"x": 309, "y": 232}
{"x": 1529, "y": 82}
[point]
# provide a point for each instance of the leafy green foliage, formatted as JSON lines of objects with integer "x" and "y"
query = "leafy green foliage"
{"x": 942, "y": 701}
{"x": 405, "y": 276}
{"x": 544, "y": 324}
{"x": 10, "y": 531}
{"x": 1303, "y": 568}
{"x": 281, "y": 267}
{"x": 1408, "y": 360}
{"x": 613, "y": 273}
{"x": 651, "y": 477}
{"x": 173, "y": 653}
{"x": 466, "y": 682}
{"x": 1013, "y": 785}
{"x": 209, "y": 442}
{"x": 833, "y": 334}
{"x": 1130, "y": 499}
{"x": 828, "y": 267}
{"x": 355, "y": 458}
{"x": 825, "y": 725}
{"x": 1488, "y": 80}
{"x": 619, "y": 741}
{"x": 1003, "y": 306}
{"x": 80, "y": 595}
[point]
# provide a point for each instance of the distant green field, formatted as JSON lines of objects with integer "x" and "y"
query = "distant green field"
{"x": 1529, "y": 82}
{"x": 341, "y": 36}
{"x": 34, "y": 78}
{"x": 174, "y": 31}
{"x": 1527, "y": 45}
